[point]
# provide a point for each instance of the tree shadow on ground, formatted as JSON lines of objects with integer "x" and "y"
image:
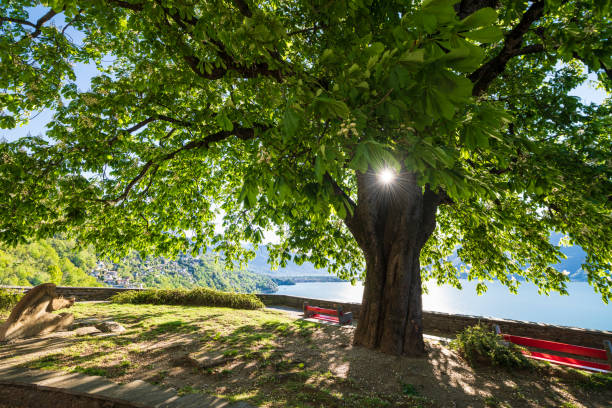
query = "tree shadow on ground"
{"x": 285, "y": 363}
{"x": 306, "y": 364}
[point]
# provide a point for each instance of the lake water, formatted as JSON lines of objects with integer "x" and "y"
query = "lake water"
{"x": 582, "y": 308}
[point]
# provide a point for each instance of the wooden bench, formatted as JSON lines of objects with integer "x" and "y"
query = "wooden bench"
{"x": 328, "y": 315}
{"x": 604, "y": 354}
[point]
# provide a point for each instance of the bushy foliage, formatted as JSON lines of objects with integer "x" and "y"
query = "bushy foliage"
{"x": 52, "y": 260}
{"x": 480, "y": 344}
{"x": 193, "y": 297}
{"x": 8, "y": 299}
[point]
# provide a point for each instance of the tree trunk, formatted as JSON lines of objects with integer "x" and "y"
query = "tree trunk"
{"x": 391, "y": 223}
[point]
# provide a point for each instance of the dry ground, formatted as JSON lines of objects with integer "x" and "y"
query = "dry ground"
{"x": 278, "y": 361}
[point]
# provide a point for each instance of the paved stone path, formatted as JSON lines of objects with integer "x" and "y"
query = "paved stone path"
{"x": 137, "y": 393}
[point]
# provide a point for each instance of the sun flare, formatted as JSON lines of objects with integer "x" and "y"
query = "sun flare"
{"x": 386, "y": 176}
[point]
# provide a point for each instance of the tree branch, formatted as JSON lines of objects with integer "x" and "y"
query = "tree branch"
{"x": 148, "y": 120}
{"x": 238, "y": 131}
{"x": 36, "y": 26}
{"x": 76, "y": 18}
{"x": 214, "y": 73}
{"x": 467, "y": 7}
{"x": 17, "y": 21}
{"x": 50, "y": 14}
{"x": 348, "y": 202}
{"x": 444, "y": 198}
{"x": 243, "y": 7}
{"x": 484, "y": 75}
{"x": 127, "y": 5}
{"x": 140, "y": 125}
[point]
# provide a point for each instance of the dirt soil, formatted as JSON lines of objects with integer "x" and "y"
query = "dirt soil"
{"x": 274, "y": 360}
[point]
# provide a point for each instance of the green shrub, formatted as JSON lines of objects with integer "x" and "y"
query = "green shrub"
{"x": 591, "y": 381}
{"x": 193, "y": 297}
{"x": 8, "y": 299}
{"x": 480, "y": 344}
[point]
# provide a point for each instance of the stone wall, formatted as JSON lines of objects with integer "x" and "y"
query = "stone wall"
{"x": 80, "y": 293}
{"x": 438, "y": 323}
{"x": 446, "y": 324}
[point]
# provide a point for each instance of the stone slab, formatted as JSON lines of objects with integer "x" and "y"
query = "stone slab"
{"x": 198, "y": 401}
{"x": 144, "y": 393}
{"x": 110, "y": 327}
{"x": 86, "y": 331}
{"x": 138, "y": 393}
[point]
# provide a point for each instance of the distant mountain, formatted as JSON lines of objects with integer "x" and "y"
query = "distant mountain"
{"x": 260, "y": 266}
{"x": 573, "y": 264}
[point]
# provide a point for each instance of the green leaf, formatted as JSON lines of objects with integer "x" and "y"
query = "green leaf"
{"x": 480, "y": 18}
{"x": 360, "y": 159}
{"x": 327, "y": 54}
{"x": 417, "y": 56}
{"x": 430, "y": 22}
{"x": 291, "y": 122}
{"x": 224, "y": 122}
{"x": 444, "y": 105}
{"x": 485, "y": 35}
{"x": 482, "y": 140}
{"x": 331, "y": 107}
{"x": 318, "y": 168}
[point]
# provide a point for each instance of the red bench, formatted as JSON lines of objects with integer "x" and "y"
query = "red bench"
{"x": 604, "y": 354}
{"x": 329, "y": 315}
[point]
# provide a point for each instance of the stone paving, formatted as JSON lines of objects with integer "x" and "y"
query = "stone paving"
{"x": 137, "y": 393}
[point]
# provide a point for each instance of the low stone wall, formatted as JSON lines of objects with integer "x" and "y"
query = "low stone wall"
{"x": 81, "y": 294}
{"x": 447, "y": 324}
{"x": 433, "y": 322}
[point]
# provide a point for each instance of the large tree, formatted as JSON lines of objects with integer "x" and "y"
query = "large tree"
{"x": 282, "y": 115}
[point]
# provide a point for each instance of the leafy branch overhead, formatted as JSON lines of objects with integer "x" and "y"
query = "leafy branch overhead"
{"x": 274, "y": 114}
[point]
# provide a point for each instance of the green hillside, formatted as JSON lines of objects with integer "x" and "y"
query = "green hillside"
{"x": 185, "y": 272}
{"x": 62, "y": 262}
{"x": 50, "y": 260}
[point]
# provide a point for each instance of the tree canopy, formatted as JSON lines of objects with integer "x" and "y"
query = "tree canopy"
{"x": 269, "y": 112}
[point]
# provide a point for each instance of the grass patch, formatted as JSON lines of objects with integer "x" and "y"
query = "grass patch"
{"x": 278, "y": 362}
{"x": 172, "y": 327}
{"x": 50, "y": 362}
{"x": 91, "y": 371}
{"x": 479, "y": 344}
{"x": 193, "y": 297}
{"x": 409, "y": 389}
{"x": 188, "y": 389}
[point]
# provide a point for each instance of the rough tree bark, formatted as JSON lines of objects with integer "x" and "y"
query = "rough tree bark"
{"x": 391, "y": 223}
